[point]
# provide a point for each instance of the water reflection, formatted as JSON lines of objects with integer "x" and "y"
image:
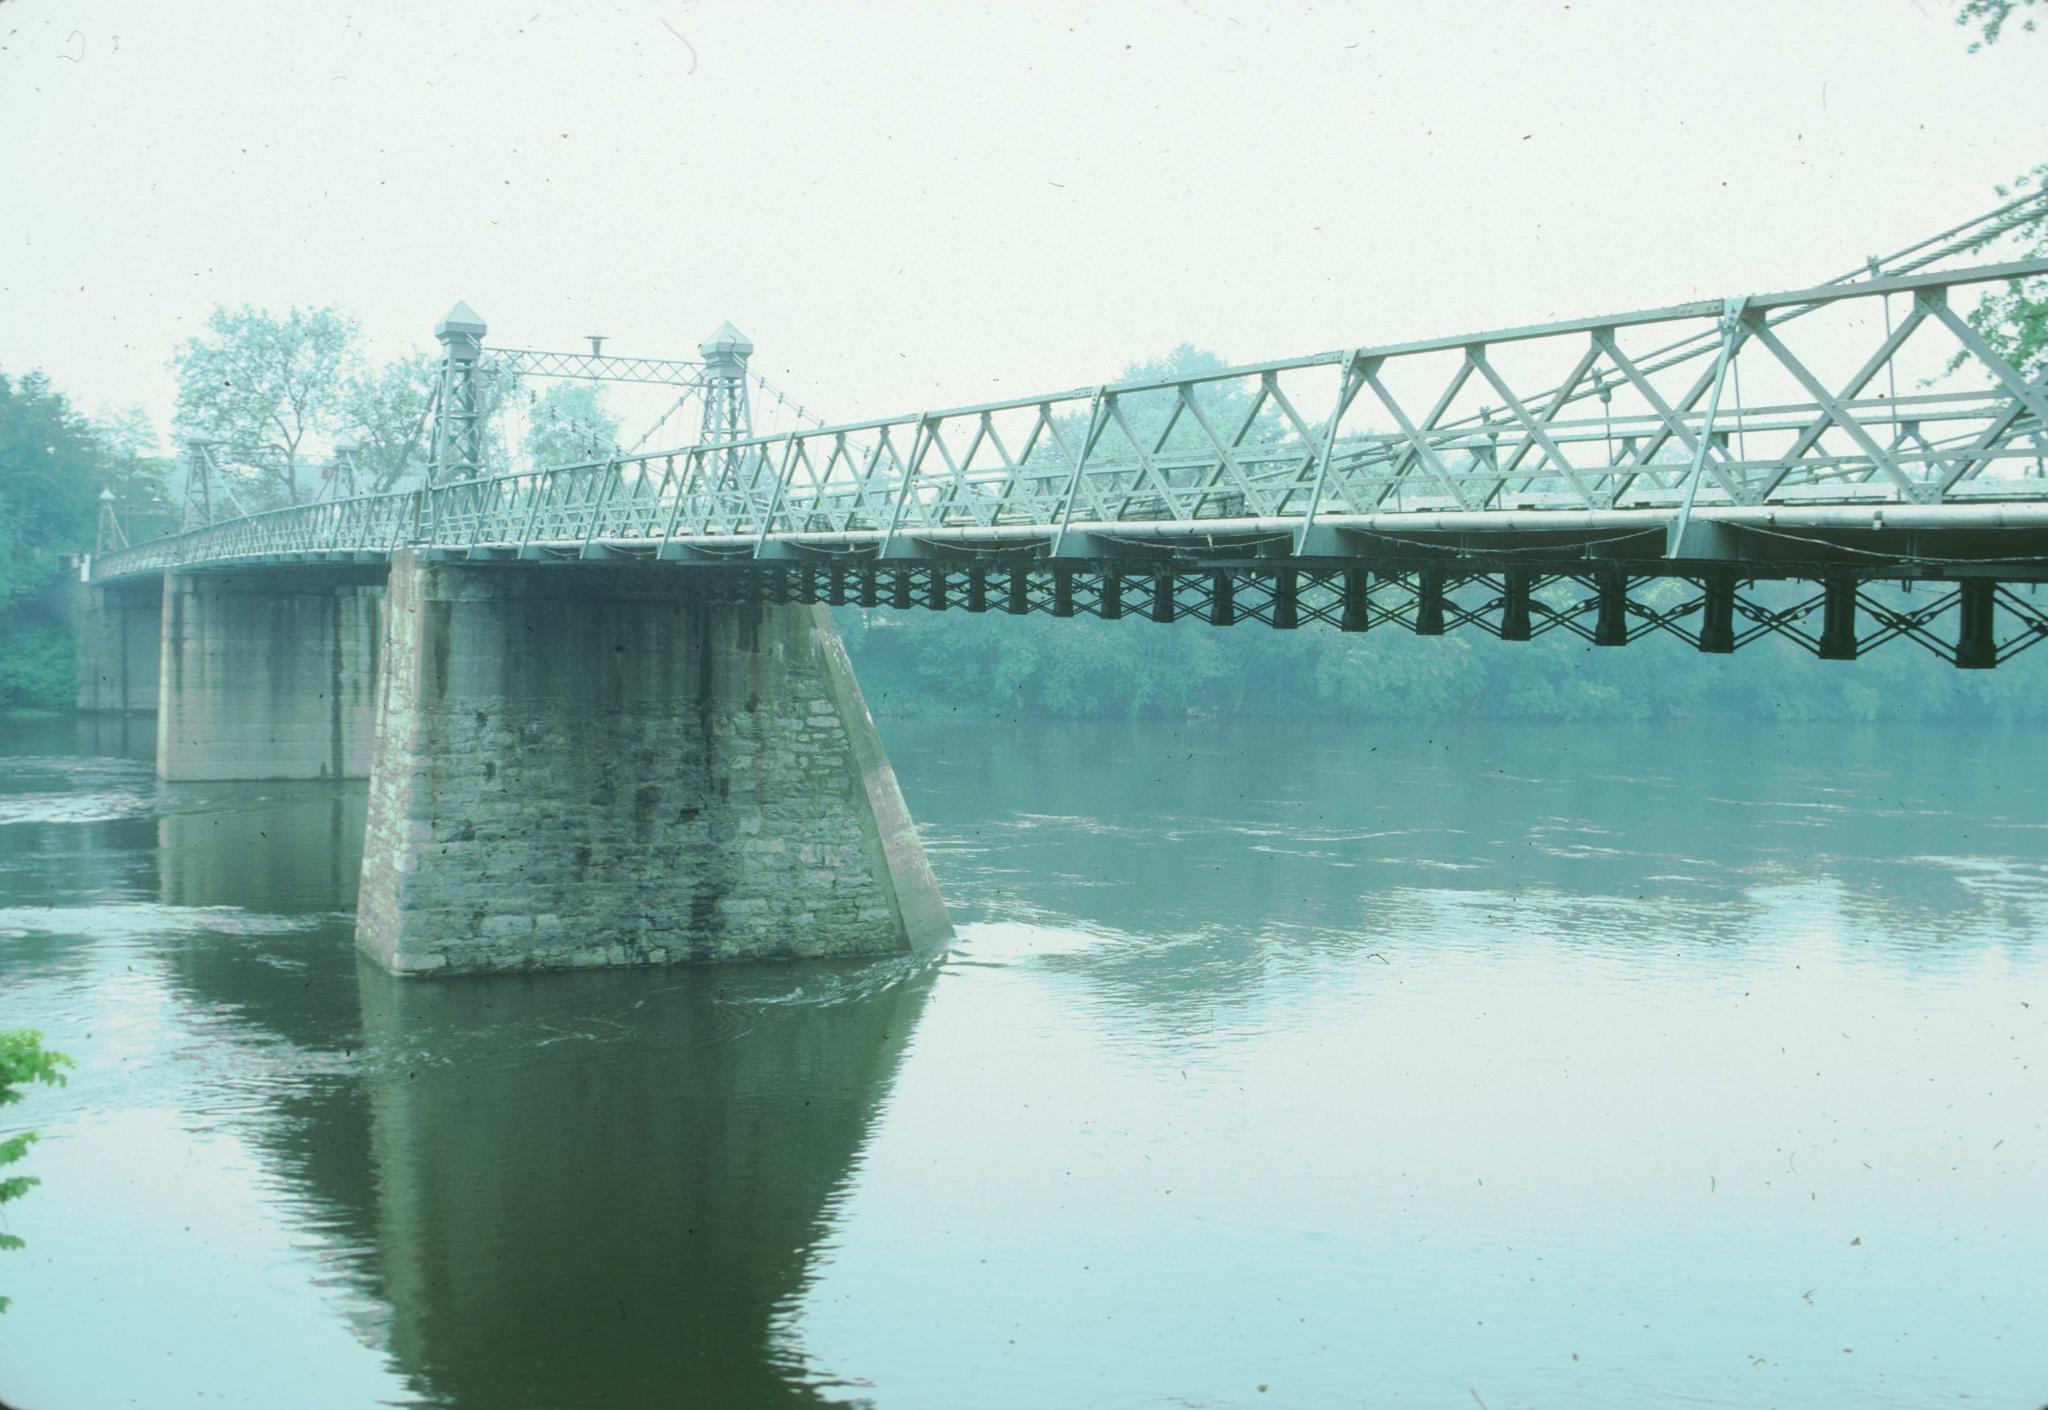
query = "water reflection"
{"x": 1220, "y": 843}
{"x": 600, "y": 1189}
{"x": 586, "y": 1188}
{"x": 1370, "y": 1063}
{"x": 596, "y": 1188}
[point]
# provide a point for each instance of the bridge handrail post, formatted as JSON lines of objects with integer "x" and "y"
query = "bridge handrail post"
{"x": 782, "y": 479}
{"x": 1731, "y": 333}
{"x": 919, "y": 444}
{"x": 1347, "y": 388}
{"x": 612, "y": 475}
{"x": 1088, "y": 440}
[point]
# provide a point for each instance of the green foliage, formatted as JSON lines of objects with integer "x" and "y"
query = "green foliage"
{"x": 38, "y": 663}
{"x": 569, "y": 425}
{"x": 384, "y": 415}
{"x": 53, "y": 465}
{"x": 266, "y": 386}
{"x": 1989, "y": 18}
{"x": 2014, "y": 319}
{"x": 23, "y": 1060}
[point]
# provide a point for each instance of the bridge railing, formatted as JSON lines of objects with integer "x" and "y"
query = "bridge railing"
{"x": 1888, "y": 396}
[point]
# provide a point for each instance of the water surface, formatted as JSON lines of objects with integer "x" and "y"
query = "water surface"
{"x": 1277, "y": 1066}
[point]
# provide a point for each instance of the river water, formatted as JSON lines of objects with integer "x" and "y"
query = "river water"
{"x": 1277, "y": 1065}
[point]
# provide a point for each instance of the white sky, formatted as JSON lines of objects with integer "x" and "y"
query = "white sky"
{"x": 916, "y": 205}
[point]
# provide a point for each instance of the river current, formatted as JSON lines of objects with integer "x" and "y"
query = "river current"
{"x": 1276, "y": 1065}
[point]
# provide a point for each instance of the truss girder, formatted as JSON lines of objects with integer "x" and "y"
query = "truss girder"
{"x": 1590, "y": 417}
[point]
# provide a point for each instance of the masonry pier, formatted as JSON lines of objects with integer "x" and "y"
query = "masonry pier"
{"x": 598, "y": 764}
{"x": 120, "y": 638}
{"x": 269, "y": 673}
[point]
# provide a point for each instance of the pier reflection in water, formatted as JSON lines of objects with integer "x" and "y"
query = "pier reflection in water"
{"x": 1650, "y": 1065}
{"x": 592, "y": 1188}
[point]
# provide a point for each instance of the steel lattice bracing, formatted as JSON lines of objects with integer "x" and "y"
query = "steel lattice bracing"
{"x": 1975, "y": 622}
{"x": 1789, "y": 436}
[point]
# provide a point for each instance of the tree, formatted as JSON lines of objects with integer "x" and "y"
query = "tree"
{"x": 53, "y": 465}
{"x": 129, "y": 433}
{"x": 1989, "y": 16}
{"x": 386, "y": 415}
{"x": 2014, "y": 319}
{"x": 23, "y": 1060}
{"x": 265, "y": 386}
{"x": 52, "y": 468}
{"x": 569, "y": 425}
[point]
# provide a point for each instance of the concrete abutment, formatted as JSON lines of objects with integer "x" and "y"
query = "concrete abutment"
{"x": 596, "y": 764}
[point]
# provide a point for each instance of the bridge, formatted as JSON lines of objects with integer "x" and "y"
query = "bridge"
{"x": 607, "y": 721}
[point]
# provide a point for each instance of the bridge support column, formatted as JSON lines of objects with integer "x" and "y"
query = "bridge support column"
{"x": 268, "y": 675}
{"x": 1164, "y": 604}
{"x": 1717, "y": 616}
{"x": 1976, "y": 639}
{"x": 1838, "y": 620}
{"x": 1429, "y": 602}
{"x": 1062, "y": 589}
{"x": 120, "y": 646}
{"x": 1514, "y": 606}
{"x": 1610, "y": 621}
{"x": 596, "y": 765}
{"x": 1357, "y": 604}
{"x": 1286, "y": 599}
{"x": 1222, "y": 599}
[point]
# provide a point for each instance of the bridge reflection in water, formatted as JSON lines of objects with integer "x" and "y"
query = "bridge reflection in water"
{"x": 594, "y": 1188}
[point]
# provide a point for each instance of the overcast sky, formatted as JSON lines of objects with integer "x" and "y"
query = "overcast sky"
{"x": 915, "y": 205}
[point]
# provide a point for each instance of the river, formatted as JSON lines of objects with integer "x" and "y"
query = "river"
{"x": 1276, "y": 1065}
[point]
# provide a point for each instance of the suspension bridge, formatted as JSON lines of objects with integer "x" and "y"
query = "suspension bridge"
{"x": 637, "y": 641}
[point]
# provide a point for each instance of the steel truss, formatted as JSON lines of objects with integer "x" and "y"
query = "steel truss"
{"x": 1766, "y": 438}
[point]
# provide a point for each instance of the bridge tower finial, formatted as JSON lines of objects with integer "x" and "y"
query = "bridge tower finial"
{"x": 458, "y": 421}
{"x": 727, "y": 413}
{"x": 111, "y": 534}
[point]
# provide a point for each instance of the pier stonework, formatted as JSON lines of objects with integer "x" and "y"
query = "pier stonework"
{"x": 269, "y": 674}
{"x": 120, "y": 645}
{"x": 595, "y": 764}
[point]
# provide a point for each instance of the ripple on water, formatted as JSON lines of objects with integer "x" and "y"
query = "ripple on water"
{"x": 147, "y": 920}
{"x": 43, "y": 789}
{"x": 71, "y": 807}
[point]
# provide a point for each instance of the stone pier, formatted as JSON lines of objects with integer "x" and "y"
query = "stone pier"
{"x": 269, "y": 674}
{"x": 595, "y": 764}
{"x": 120, "y": 633}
